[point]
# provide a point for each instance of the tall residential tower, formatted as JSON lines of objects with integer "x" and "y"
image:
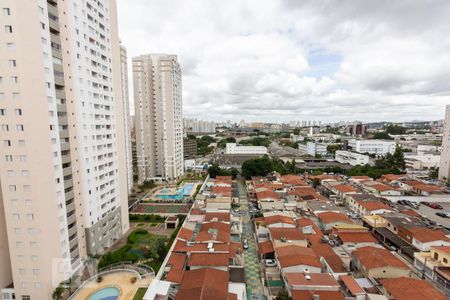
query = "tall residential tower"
{"x": 444, "y": 165}
{"x": 158, "y": 117}
{"x": 62, "y": 152}
{"x": 126, "y": 115}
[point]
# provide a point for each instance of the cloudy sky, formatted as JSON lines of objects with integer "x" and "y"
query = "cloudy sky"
{"x": 283, "y": 60}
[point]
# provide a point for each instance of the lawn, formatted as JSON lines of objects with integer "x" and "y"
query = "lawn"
{"x": 140, "y": 294}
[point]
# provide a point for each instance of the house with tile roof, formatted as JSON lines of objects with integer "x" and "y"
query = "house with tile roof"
{"x": 374, "y": 262}
{"x": 310, "y": 282}
{"x": 205, "y": 284}
{"x": 404, "y": 288}
{"x": 294, "y": 258}
{"x": 330, "y": 219}
{"x": 424, "y": 238}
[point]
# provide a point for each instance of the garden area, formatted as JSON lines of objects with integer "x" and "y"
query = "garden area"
{"x": 142, "y": 247}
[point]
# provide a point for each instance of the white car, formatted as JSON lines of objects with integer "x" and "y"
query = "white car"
{"x": 271, "y": 263}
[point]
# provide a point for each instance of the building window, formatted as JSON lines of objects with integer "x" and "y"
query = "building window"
{"x": 7, "y": 143}
{"x": 14, "y": 79}
{"x": 26, "y": 297}
{"x": 12, "y": 63}
{"x": 19, "y": 127}
{"x": 8, "y": 29}
{"x": 12, "y": 188}
{"x": 18, "y": 112}
{"x": 2, "y": 112}
{"x": 6, "y": 11}
{"x": 5, "y": 127}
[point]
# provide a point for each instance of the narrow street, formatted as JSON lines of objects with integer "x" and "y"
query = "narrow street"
{"x": 255, "y": 289}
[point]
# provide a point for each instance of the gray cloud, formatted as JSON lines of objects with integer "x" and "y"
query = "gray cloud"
{"x": 243, "y": 59}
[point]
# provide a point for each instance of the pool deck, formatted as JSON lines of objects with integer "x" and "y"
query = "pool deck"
{"x": 119, "y": 279}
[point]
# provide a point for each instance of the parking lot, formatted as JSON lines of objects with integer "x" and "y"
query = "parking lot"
{"x": 430, "y": 213}
{"x": 426, "y": 211}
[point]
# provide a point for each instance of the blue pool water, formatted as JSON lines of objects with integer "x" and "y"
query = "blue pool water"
{"x": 184, "y": 191}
{"x": 109, "y": 293}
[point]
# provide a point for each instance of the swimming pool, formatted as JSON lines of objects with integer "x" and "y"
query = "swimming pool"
{"x": 109, "y": 293}
{"x": 186, "y": 190}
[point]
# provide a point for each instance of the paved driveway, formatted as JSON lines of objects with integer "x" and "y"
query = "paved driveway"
{"x": 255, "y": 290}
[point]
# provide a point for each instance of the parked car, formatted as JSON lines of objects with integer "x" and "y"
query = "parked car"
{"x": 436, "y": 206}
{"x": 245, "y": 244}
{"x": 324, "y": 239}
{"x": 413, "y": 204}
{"x": 333, "y": 243}
{"x": 402, "y": 202}
{"x": 443, "y": 214}
{"x": 353, "y": 215}
{"x": 271, "y": 263}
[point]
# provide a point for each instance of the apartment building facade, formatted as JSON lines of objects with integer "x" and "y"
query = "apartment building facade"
{"x": 62, "y": 154}
{"x": 158, "y": 117}
{"x": 127, "y": 121}
{"x": 444, "y": 164}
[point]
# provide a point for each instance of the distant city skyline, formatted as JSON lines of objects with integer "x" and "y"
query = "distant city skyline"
{"x": 287, "y": 60}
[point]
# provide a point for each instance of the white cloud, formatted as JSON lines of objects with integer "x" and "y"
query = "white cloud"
{"x": 253, "y": 60}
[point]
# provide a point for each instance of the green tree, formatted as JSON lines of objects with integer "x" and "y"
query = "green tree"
{"x": 283, "y": 295}
{"x": 382, "y": 135}
{"x": 434, "y": 172}
{"x": 395, "y": 129}
{"x": 333, "y": 148}
{"x": 214, "y": 170}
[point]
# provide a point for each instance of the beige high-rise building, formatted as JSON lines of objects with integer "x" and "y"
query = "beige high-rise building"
{"x": 128, "y": 127}
{"x": 158, "y": 117}
{"x": 62, "y": 142}
{"x": 444, "y": 165}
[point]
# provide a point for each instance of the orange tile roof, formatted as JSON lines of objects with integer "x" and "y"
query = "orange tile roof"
{"x": 374, "y": 205}
{"x": 323, "y": 177}
{"x": 352, "y": 285}
{"x": 185, "y": 234}
{"x": 303, "y": 222}
{"x": 268, "y": 194}
{"x": 357, "y": 237}
{"x": 362, "y": 177}
{"x": 293, "y": 255}
{"x": 392, "y": 177}
{"x": 232, "y": 296}
{"x": 325, "y": 251}
{"x": 324, "y": 295}
{"x": 209, "y": 259}
{"x": 214, "y": 231}
{"x": 265, "y": 247}
{"x": 225, "y": 178}
{"x": 332, "y": 217}
{"x": 278, "y": 219}
{"x": 292, "y": 180}
{"x": 410, "y": 212}
{"x": 344, "y": 188}
{"x": 405, "y": 288}
{"x": 426, "y": 235}
{"x": 221, "y": 190}
{"x": 293, "y": 234}
{"x": 445, "y": 249}
{"x": 382, "y": 187}
{"x": 430, "y": 188}
{"x": 204, "y": 284}
{"x": 316, "y": 279}
{"x": 373, "y": 257}
{"x": 222, "y": 217}
{"x": 176, "y": 263}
